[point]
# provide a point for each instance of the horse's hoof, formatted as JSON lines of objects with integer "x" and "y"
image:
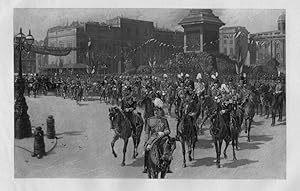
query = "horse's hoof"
{"x": 184, "y": 165}
{"x": 234, "y": 158}
{"x": 273, "y": 124}
{"x": 248, "y": 139}
{"x": 225, "y": 156}
{"x": 218, "y": 165}
{"x": 115, "y": 155}
{"x": 123, "y": 164}
{"x": 190, "y": 159}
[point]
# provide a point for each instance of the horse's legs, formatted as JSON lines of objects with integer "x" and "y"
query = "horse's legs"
{"x": 225, "y": 149}
{"x": 190, "y": 150}
{"x": 246, "y": 126}
{"x": 219, "y": 153}
{"x": 183, "y": 152}
{"x": 124, "y": 151}
{"x": 249, "y": 128}
{"x": 115, "y": 138}
{"x": 163, "y": 174}
{"x": 234, "y": 142}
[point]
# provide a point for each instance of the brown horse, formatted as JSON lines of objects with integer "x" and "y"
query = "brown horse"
{"x": 187, "y": 133}
{"x": 160, "y": 157}
{"x": 122, "y": 128}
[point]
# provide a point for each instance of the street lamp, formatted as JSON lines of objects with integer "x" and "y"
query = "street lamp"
{"x": 22, "y": 122}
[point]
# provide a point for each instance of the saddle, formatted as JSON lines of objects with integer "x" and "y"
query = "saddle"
{"x": 155, "y": 152}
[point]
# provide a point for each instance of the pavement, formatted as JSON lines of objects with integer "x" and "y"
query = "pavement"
{"x": 83, "y": 148}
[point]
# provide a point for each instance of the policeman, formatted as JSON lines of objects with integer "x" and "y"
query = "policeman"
{"x": 156, "y": 128}
{"x": 128, "y": 105}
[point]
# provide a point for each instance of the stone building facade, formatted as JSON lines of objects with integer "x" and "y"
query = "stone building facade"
{"x": 111, "y": 42}
{"x": 271, "y": 44}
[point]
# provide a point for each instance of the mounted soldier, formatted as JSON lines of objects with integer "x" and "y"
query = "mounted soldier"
{"x": 156, "y": 128}
{"x": 128, "y": 105}
{"x": 199, "y": 86}
{"x": 188, "y": 82}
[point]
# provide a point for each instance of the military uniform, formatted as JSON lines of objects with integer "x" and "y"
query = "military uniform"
{"x": 128, "y": 105}
{"x": 156, "y": 127}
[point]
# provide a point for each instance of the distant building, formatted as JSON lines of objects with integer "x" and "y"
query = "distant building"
{"x": 110, "y": 42}
{"x": 228, "y": 40}
{"x": 271, "y": 44}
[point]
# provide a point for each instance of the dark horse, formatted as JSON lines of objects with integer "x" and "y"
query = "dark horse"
{"x": 187, "y": 133}
{"x": 160, "y": 157}
{"x": 78, "y": 93}
{"x": 220, "y": 127}
{"x": 277, "y": 105}
{"x": 122, "y": 128}
{"x": 249, "y": 112}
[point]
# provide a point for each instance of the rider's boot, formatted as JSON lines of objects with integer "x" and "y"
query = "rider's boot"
{"x": 145, "y": 162}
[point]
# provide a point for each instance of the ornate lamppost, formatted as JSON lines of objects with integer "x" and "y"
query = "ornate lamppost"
{"x": 22, "y": 122}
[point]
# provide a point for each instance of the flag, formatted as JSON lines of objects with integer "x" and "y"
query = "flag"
{"x": 238, "y": 34}
{"x": 247, "y": 61}
{"x": 89, "y": 42}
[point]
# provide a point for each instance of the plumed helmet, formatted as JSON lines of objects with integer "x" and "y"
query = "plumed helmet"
{"x": 158, "y": 103}
{"x": 199, "y": 76}
{"x": 165, "y": 75}
{"x": 224, "y": 88}
{"x": 179, "y": 76}
{"x": 187, "y": 75}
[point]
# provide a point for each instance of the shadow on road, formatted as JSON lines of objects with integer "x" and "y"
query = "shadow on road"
{"x": 82, "y": 104}
{"x": 70, "y": 133}
{"x": 246, "y": 145}
{"x": 137, "y": 163}
{"x": 207, "y": 161}
{"x": 264, "y": 138}
{"x": 238, "y": 163}
{"x": 257, "y": 123}
{"x": 204, "y": 144}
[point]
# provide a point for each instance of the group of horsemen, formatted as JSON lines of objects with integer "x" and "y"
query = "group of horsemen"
{"x": 131, "y": 91}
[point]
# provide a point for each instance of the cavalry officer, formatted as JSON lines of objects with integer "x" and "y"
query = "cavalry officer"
{"x": 156, "y": 127}
{"x": 199, "y": 86}
{"x": 188, "y": 82}
{"x": 128, "y": 105}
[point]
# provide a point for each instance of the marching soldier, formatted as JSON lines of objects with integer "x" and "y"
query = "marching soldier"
{"x": 156, "y": 128}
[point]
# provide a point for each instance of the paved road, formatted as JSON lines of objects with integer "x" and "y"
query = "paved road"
{"x": 83, "y": 150}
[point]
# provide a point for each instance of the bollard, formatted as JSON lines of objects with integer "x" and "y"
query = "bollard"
{"x": 39, "y": 144}
{"x": 50, "y": 127}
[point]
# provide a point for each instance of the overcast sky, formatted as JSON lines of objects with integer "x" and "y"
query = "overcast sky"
{"x": 39, "y": 20}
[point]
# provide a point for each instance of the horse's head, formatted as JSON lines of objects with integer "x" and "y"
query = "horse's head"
{"x": 113, "y": 115}
{"x": 168, "y": 148}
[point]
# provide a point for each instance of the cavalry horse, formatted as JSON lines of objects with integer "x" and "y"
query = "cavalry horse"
{"x": 78, "y": 93}
{"x": 265, "y": 100}
{"x": 219, "y": 129}
{"x": 122, "y": 129}
{"x": 170, "y": 98}
{"x": 187, "y": 133}
{"x": 160, "y": 157}
{"x": 277, "y": 105}
{"x": 249, "y": 112}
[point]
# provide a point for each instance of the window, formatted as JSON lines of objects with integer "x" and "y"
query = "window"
{"x": 231, "y": 51}
{"x": 231, "y": 42}
{"x": 137, "y": 31}
{"x": 278, "y": 56}
{"x": 69, "y": 44}
{"x": 225, "y": 41}
{"x": 225, "y": 50}
{"x": 61, "y": 44}
{"x": 277, "y": 45}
